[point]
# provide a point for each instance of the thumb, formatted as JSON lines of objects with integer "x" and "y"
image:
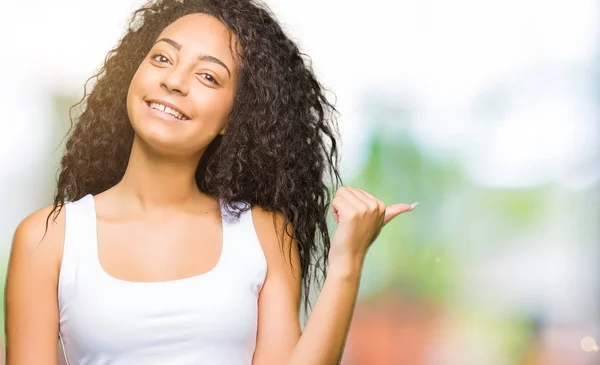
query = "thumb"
{"x": 396, "y": 209}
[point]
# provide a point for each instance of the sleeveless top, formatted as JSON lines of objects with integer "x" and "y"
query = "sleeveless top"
{"x": 208, "y": 319}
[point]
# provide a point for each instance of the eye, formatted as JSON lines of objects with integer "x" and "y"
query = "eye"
{"x": 210, "y": 78}
{"x": 159, "y": 57}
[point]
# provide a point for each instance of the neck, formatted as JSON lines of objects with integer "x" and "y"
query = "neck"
{"x": 153, "y": 180}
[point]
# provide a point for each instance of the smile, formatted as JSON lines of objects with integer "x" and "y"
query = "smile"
{"x": 166, "y": 111}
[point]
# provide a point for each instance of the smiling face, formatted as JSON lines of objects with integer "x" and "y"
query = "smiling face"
{"x": 182, "y": 93}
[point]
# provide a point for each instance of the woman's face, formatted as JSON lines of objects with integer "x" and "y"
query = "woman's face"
{"x": 182, "y": 93}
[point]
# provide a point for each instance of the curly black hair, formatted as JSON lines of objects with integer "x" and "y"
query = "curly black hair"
{"x": 281, "y": 136}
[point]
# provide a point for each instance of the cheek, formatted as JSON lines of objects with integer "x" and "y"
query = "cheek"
{"x": 140, "y": 84}
{"x": 213, "y": 106}
{"x": 141, "y": 80}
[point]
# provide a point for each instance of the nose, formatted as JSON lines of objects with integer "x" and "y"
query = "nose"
{"x": 176, "y": 80}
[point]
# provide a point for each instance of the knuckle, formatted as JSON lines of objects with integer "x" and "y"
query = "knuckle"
{"x": 341, "y": 191}
{"x": 373, "y": 206}
{"x": 354, "y": 215}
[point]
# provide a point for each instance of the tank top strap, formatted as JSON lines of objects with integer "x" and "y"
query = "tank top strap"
{"x": 80, "y": 226}
{"x": 247, "y": 259}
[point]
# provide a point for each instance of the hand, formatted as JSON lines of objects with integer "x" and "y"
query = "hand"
{"x": 360, "y": 217}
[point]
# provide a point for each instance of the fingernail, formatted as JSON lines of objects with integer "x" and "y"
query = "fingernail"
{"x": 414, "y": 205}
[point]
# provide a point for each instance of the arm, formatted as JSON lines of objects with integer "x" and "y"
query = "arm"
{"x": 279, "y": 300}
{"x": 279, "y": 337}
{"x": 31, "y": 307}
{"x": 361, "y": 217}
{"x": 323, "y": 339}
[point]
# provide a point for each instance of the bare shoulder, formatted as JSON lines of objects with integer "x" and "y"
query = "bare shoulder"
{"x": 40, "y": 237}
{"x": 270, "y": 229}
{"x": 279, "y": 247}
{"x": 279, "y": 299}
{"x": 31, "y": 306}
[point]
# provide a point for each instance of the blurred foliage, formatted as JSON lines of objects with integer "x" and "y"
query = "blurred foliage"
{"x": 420, "y": 251}
{"x": 423, "y": 256}
{"x": 410, "y": 254}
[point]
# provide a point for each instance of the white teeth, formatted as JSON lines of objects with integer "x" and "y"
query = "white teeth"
{"x": 166, "y": 109}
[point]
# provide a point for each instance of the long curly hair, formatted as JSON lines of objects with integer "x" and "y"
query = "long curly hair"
{"x": 279, "y": 152}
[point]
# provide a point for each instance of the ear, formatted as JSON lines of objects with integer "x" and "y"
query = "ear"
{"x": 222, "y": 132}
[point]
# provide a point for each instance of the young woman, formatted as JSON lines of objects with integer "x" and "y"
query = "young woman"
{"x": 191, "y": 209}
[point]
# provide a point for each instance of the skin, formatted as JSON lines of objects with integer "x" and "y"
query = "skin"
{"x": 158, "y": 194}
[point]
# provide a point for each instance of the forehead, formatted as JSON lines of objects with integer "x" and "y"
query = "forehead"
{"x": 200, "y": 33}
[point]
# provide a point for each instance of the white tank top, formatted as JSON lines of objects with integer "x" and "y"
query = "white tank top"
{"x": 209, "y": 319}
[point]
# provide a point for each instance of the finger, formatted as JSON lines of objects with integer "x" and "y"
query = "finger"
{"x": 368, "y": 199}
{"x": 343, "y": 203}
{"x": 379, "y": 202}
{"x": 357, "y": 199}
{"x": 366, "y": 193}
{"x": 360, "y": 195}
{"x": 336, "y": 206}
{"x": 394, "y": 210}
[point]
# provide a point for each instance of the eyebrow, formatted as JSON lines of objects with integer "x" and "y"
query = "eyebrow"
{"x": 207, "y": 58}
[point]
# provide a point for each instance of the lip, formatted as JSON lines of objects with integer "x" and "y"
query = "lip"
{"x": 166, "y": 103}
